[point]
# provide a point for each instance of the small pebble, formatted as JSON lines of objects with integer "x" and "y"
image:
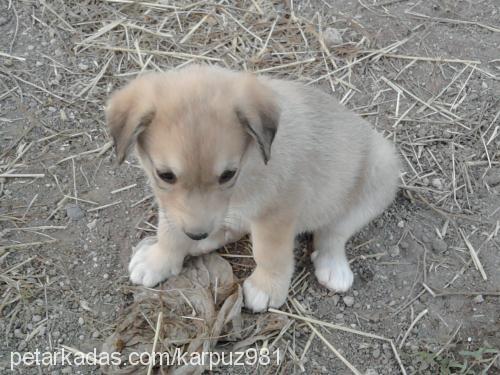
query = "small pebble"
{"x": 92, "y": 224}
{"x": 36, "y": 318}
{"x": 484, "y": 85}
{"x": 439, "y": 245}
{"x": 376, "y": 353}
{"x": 74, "y": 212}
{"x": 348, "y": 301}
{"x": 437, "y": 183}
{"x": 80, "y": 321}
{"x": 493, "y": 179}
{"x": 401, "y": 224}
{"x": 394, "y": 251}
{"x": 478, "y": 299}
{"x": 332, "y": 37}
{"x": 18, "y": 334}
{"x": 95, "y": 334}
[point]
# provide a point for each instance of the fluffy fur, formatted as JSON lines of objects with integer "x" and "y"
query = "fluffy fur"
{"x": 304, "y": 163}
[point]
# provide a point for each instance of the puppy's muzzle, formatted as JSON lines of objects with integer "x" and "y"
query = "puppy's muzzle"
{"x": 196, "y": 236}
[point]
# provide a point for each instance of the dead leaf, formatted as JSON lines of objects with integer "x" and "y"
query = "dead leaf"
{"x": 202, "y": 307}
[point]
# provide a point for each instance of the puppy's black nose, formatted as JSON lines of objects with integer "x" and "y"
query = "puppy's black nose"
{"x": 197, "y": 236}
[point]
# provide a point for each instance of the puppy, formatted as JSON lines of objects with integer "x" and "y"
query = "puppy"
{"x": 229, "y": 153}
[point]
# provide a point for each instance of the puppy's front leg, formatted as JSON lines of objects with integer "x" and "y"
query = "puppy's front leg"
{"x": 272, "y": 241}
{"x": 156, "y": 259}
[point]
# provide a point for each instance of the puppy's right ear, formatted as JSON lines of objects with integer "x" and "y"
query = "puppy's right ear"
{"x": 128, "y": 112}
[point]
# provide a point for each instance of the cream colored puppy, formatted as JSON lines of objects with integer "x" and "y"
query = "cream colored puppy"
{"x": 228, "y": 153}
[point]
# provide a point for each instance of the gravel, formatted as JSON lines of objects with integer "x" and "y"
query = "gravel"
{"x": 348, "y": 301}
{"x": 439, "y": 245}
{"x": 478, "y": 299}
{"x": 74, "y": 212}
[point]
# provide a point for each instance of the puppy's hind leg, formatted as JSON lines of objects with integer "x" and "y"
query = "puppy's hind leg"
{"x": 378, "y": 188}
{"x": 329, "y": 258}
{"x": 330, "y": 262}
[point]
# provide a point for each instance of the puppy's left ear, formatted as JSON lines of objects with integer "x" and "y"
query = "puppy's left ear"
{"x": 128, "y": 113}
{"x": 259, "y": 113}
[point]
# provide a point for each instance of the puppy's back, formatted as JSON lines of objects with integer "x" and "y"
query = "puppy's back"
{"x": 323, "y": 149}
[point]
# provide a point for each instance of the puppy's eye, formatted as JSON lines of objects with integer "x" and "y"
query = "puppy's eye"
{"x": 169, "y": 177}
{"x": 226, "y": 176}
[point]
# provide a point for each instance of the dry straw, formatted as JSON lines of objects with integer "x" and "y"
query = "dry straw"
{"x": 119, "y": 39}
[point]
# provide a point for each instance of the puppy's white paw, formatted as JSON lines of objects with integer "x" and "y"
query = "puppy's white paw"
{"x": 262, "y": 291}
{"x": 332, "y": 272}
{"x": 151, "y": 264}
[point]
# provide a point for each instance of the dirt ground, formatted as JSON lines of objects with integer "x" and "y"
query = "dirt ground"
{"x": 425, "y": 73}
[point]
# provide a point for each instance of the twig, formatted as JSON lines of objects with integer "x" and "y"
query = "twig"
{"x": 450, "y": 20}
{"x": 23, "y": 245}
{"x": 123, "y": 189}
{"x": 419, "y": 316}
{"x": 327, "y": 324}
{"x": 22, "y": 175}
{"x": 473, "y": 254}
{"x": 448, "y": 342}
{"x": 328, "y": 344}
{"x": 103, "y": 207}
{"x": 449, "y": 115}
{"x": 155, "y": 340}
{"x": 289, "y": 65}
{"x": 9, "y": 56}
{"x": 426, "y": 58}
{"x": 177, "y": 55}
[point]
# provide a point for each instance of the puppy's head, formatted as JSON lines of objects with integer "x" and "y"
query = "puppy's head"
{"x": 191, "y": 129}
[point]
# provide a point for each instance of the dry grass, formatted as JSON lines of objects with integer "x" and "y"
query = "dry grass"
{"x": 123, "y": 38}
